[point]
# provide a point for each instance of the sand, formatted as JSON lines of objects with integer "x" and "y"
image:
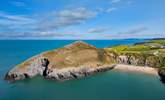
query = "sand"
{"x": 143, "y": 69}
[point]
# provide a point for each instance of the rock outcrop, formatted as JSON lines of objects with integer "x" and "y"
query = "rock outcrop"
{"x": 72, "y": 61}
{"x": 161, "y": 73}
{"x": 141, "y": 60}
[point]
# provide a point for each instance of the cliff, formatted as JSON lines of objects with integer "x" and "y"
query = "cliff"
{"x": 72, "y": 61}
{"x": 150, "y": 53}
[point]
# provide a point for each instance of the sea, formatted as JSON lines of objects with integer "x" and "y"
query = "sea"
{"x": 110, "y": 85}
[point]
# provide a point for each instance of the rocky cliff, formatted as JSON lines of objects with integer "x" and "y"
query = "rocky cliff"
{"x": 72, "y": 61}
{"x": 150, "y": 53}
{"x": 141, "y": 60}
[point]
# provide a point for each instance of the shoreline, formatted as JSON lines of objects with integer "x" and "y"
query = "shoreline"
{"x": 133, "y": 68}
{"x": 62, "y": 74}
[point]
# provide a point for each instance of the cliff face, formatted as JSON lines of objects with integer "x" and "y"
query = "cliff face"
{"x": 76, "y": 60}
{"x": 141, "y": 60}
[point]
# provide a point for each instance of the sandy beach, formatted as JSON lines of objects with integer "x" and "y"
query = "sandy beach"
{"x": 147, "y": 70}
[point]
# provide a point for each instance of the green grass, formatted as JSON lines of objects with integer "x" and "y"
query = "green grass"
{"x": 118, "y": 48}
{"x": 157, "y": 41}
{"x": 126, "y": 48}
{"x": 138, "y": 48}
{"x": 144, "y": 48}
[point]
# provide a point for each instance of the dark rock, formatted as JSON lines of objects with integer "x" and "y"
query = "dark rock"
{"x": 26, "y": 75}
{"x": 161, "y": 73}
{"x": 74, "y": 75}
{"x": 45, "y": 63}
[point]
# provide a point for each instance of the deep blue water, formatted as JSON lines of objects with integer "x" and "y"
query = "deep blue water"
{"x": 109, "y": 85}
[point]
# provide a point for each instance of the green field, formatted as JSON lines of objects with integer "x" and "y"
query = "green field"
{"x": 156, "y": 47}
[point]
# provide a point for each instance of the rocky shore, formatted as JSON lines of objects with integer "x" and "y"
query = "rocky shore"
{"x": 60, "y": 74}
{"x": 75, "y": 73}
{"x": 70, "y": 62}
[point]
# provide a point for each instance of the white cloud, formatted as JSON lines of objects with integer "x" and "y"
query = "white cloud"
{"x": 12, "y": 23}
{"x": 14, "y": 17}
{"x": 109, "y": 10}
{"x": 19, "y": 3}
{"x": 66, "y": 18}
{"x": 45, "y": 26}
{"x": 115, "y": 1}
{"x": 79, "y": 13}
{"x": 134, "y": 30}
{"x": 62, "y": 24}
{"x": 48, "y": 21}
{"x": 129, "y": 2}
{"x": 97, "y": 30}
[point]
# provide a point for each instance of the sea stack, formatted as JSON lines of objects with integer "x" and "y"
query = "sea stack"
{"x": 72, "y": 61}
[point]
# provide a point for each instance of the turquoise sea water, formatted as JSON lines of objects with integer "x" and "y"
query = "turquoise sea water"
{"x": 111, "y": 85}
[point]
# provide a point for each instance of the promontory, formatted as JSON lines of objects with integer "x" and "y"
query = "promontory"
{"x": 80, "y": 59}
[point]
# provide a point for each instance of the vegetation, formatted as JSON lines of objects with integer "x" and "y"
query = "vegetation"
{"x": 157, "y": 41}
{"x": 150, "y": 53}
{"x": 74, "y": 55}
{"x": 118, "y": 48}
{"x": 137, "y": 48}
{"x": 156, "y": 47}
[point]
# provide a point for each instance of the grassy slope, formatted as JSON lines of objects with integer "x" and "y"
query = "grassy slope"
{"x": 77, "y": 54}
{"x": 74, "y": 55}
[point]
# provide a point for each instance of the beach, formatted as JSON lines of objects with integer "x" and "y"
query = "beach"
{"x": 146, "y": 69}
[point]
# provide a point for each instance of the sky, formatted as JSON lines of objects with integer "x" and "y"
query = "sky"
{"x": 82, "y": 19}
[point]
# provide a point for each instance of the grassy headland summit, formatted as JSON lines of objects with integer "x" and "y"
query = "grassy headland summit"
{"x": 81, "y": 59}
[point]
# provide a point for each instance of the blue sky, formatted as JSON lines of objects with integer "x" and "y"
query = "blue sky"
{"x": 81, "y": 19}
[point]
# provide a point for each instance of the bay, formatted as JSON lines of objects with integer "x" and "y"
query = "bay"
{"x": 112, "y": 85}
